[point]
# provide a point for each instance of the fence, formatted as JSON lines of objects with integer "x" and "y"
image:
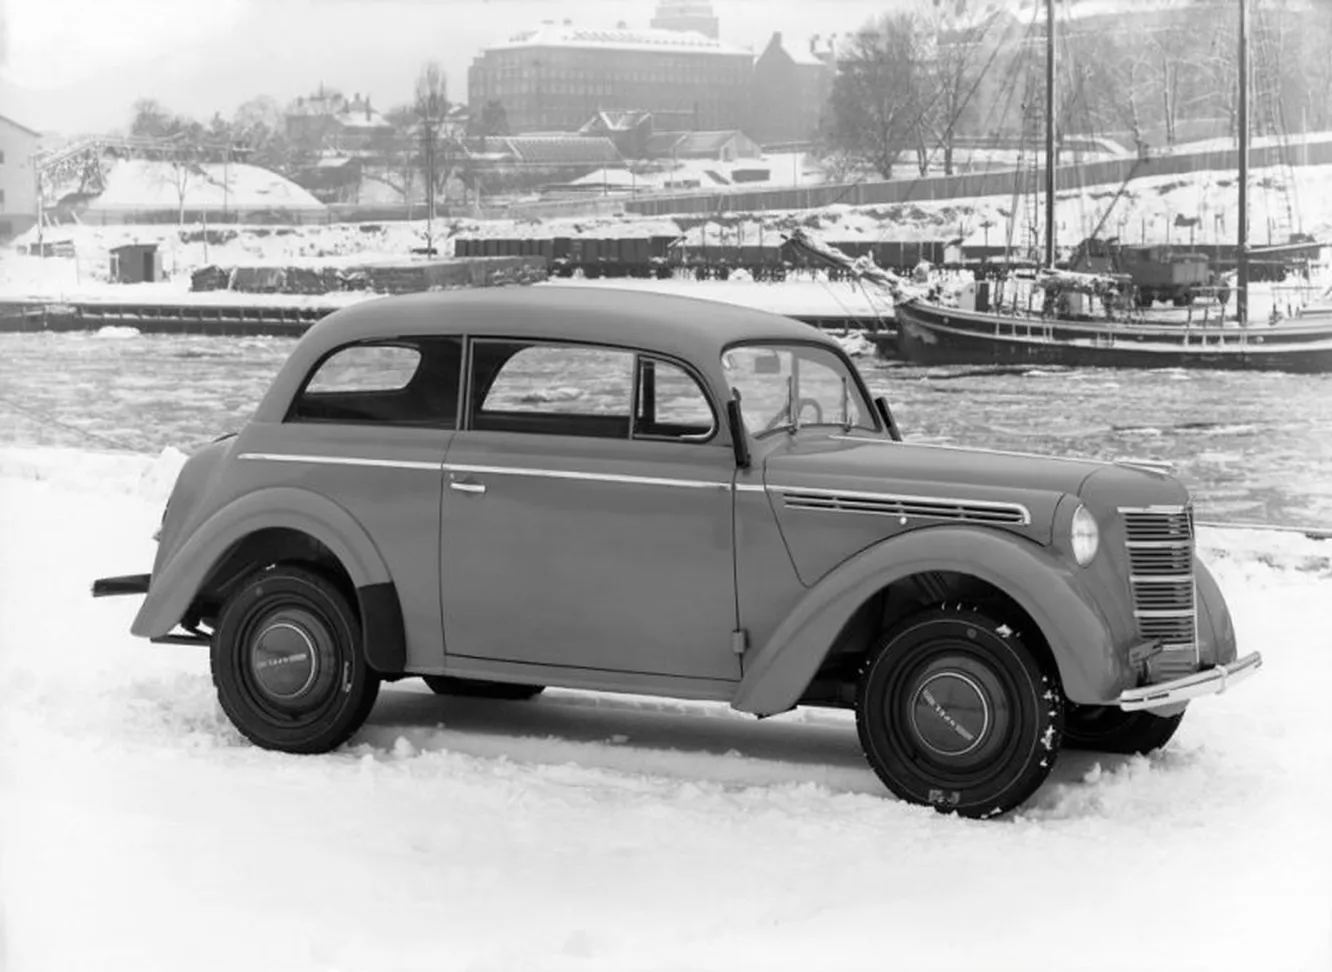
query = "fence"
{"x": 993, "y": 183}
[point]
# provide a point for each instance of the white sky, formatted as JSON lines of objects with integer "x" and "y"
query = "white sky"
{"x": 77, "y": 65}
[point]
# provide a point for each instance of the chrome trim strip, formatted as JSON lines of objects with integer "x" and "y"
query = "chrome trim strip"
{"x": 850, "y": 494}
{"x": 750, "y": 488}
{"x": 1213, "y": 681}
{"x": 961, "y": 448}
{"x": 343, "y": 461}
{"x": 585, "y": 476}
{"x": 1161, "y": 578}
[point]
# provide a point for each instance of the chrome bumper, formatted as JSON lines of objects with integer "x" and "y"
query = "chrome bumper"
{"x": 1213, "y": 681}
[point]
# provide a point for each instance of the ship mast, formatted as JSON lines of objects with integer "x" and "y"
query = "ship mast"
{"x": 1242, "y": 253}
{"x": 1050, "y": 133}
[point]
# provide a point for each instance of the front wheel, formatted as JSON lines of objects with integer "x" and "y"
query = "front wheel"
{"x": 1109, "y": 729}
{"x": 955, "y": 712}
{"x": 287, "y": 662}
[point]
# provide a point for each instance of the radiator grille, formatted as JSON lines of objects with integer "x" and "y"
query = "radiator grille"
{"x": 1160, "y": 552}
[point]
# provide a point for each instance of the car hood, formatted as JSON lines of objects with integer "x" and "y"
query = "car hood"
{"x": 879, "y": 465}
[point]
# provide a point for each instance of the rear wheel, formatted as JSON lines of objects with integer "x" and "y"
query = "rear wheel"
{"x": 287, "y": 662}
{"x": 957, "y": 713}
{"x": 1109, "y": 729}
{"x": 476, "y": 688}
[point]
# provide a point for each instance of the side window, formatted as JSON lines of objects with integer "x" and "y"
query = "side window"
{"x": 551, "y": 389}
{"x": 385, "y": 383}
{"x": 670, "y": 404}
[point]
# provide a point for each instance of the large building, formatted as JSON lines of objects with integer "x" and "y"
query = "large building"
{"x": 18, "y": 184}
{"x": 792, "y": 83}
{"x": 327, "y": 121}
{"x": 556, "y": 77}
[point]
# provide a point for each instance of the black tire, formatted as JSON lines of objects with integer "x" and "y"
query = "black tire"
{"x": 478, "y": 689}
{"x": 1109, "y": 729}
{"x": 989, "y": 744}
{"x": 287, "y": 662}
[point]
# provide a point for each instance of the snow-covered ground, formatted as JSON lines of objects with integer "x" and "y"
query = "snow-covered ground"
{"x": 590, "y": 832}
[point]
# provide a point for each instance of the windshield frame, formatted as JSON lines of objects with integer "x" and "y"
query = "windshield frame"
{"x": 856, "y": 385}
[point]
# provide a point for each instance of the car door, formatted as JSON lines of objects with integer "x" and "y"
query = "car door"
{"x": 369, "y": 430}
{"x": 587, "y": 515}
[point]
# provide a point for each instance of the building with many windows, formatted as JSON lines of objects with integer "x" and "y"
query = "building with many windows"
{"x": 556, "y": 77}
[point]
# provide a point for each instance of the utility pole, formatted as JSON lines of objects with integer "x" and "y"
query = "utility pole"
{"x": 1242, "y": 253}
{"x": 430, "y": 182}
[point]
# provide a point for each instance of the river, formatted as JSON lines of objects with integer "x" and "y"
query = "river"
{"x": 1255, "y": 446}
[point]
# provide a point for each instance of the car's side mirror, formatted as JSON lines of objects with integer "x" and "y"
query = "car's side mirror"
{"x": 739, "y": 443}
{"x": 768, "y": 364}
{"x": 886, "y": 414}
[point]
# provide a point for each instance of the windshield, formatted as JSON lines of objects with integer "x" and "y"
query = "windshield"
{"x": 784, "y": 386}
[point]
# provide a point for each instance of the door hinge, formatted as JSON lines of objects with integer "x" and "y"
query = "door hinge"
{"x": 739, "y": 641}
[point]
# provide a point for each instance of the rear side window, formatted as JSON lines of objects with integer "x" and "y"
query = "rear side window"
{"x": 401, "y": 382}
{"x": 551, "y": 389}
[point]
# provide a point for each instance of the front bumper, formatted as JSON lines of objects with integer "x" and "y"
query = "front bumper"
{"x": 1213, "y": 681}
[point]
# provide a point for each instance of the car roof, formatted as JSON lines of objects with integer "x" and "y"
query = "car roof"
{"x": 686, "y": 327}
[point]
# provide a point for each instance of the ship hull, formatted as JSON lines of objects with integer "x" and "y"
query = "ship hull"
{"x": 929, "y": 334}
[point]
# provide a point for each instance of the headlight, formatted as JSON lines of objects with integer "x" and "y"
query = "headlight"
{"x": 1085, "y": 536}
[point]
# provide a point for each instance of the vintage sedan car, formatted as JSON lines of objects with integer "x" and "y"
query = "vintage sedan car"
{"x": 501, "y": 490}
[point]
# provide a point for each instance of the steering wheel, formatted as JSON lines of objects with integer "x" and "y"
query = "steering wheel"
{"x": 801, "y": 405}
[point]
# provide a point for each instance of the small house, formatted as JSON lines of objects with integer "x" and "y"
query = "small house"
{"x": 136, "y": 263}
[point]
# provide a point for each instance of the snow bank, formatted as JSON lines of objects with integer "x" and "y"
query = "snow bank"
{"x": 140, "y": 185}
{"x": 594, "y": 832}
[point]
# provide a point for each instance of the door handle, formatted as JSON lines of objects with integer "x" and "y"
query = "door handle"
{"x": 468, "y": 487}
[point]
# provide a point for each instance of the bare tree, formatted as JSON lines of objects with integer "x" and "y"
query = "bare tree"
{"x": 877, "y": 96}
{"x": 431, "y": 108}
{"x": 963, "y": 49}
{"x": 395, "y": 153}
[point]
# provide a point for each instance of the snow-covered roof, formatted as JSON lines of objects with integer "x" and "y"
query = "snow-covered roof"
{"x": 801, "y": 52}
{"x": 618, "y": 38}
{"x": 685, "y": 144}
{"x": 616, "y": 120}
{"x": 562, "y": 149}
{"x": 20, "y": 127}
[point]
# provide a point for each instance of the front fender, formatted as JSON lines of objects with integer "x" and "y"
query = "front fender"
{"x": 1047, "y": 587}
{"x": 177, "y": 581}
{"x": 1216, "y": 633}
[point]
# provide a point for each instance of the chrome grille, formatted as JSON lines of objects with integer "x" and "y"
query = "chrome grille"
{"x": 1160, "y": 551}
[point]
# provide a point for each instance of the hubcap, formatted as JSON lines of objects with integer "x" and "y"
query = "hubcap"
{"x": 285, "y": 657}
{"x": 950, "y": 714}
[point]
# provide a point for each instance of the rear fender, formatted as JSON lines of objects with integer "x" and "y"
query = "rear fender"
{"x": 178, "y": 580}
{"x": 1045, "y": 586}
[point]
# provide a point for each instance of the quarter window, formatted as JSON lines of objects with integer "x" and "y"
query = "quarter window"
{"x": 387, "y": 383}
{"x": 670, "y": 405}
{"x": 551, "y": 389}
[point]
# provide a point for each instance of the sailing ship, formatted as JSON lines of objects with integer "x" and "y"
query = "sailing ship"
{"x": 1062, "y": 323}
